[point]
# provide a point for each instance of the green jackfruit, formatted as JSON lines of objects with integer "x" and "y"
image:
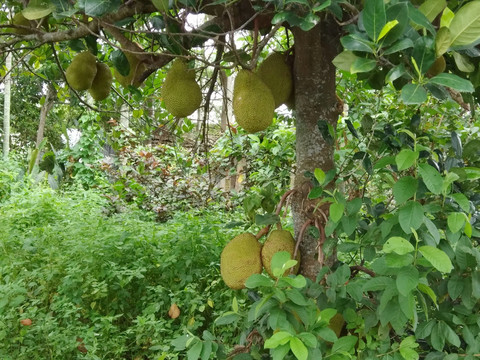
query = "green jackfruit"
{"x": 82, "y": 71}
{"x": 278, "y": 240}
{"x": 101, "y": 83}
{"x": 240, "y": 258}
{"x": 136, "y": 68}
{"x": 180, "y": 92}
{"x": 276, "y": 74}
{"x": 20, "y": 20}
{"x": 253, "y": 102}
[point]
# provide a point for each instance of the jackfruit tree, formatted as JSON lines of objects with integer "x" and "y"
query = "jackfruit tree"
{"x": 421, "y": 49}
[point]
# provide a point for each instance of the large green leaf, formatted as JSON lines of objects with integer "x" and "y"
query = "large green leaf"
{"x": 410, "y": 216}
{"x": 431, "y": 177}
{"x": 345, "y": 60}
{"x": 398, "y": 245}
{"x": 452, "y": 81}
{"x": 404, "y": 189}
{"x": 99, "y": 7}
{"x": 407, "y": 280}
{"x": 374, "y": 18}
{"x": 38, "y": 9}
{"x": 298, "y": 348}
{"x": 356, "y": 43}
{"x": 456, "y": 221}
{"x": 405, "y": 159}
{"x": 424, "y": 53}
{"x": 465, "y": 26}
{"x": 431, "y": 8}
{"x": 438, "y": 258}
{"x": 414, "y": 94}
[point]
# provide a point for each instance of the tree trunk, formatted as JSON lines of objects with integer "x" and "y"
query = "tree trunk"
{"x": 6, "y": 107}
{"x": 46, "y": 107}
{"x": 315, "y": 100}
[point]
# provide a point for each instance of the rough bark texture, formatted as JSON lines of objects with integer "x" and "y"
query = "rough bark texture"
{"x": 50, "y": 97}
{"x": 315, "y": 99}
{"x": 6, "y": 107}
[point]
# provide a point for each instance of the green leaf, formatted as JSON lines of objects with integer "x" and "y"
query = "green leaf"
{"x": 455, "y": 286}
{"x": 409, "y": 353}
{"x": 465, "y": 26}
{"x": 257, "y": 280}
{"x": 319, "y": 175}
{"x": 398, "y": 46}
{"x": 432, "y": 8}
{"x": 456, "y": 221}
{"x": 410, "y": 216}
{"x": 277, "y": 339}
{"x": 361, "y": 65}
{"x": 428, "y": 291}
{"x": 344, "y": 344}
{"x": 431, "y": 177}
{"x": 98, "y": 8}
{"x": 356, "y": 43}
{"x": 442, "y": 41}
{"x": 432, "y": 229}
{"x": 452, "y": 81}
{"x": 378, "y": 283}
{"x": 447, "y": 17}
{"x": 194, "y": 352}
{"x": 407, "y": 280}
{"x": 374, "y": 18}
{"x": 398, "y": 245}
{"x": 298, "y": 348}
{"x": 297, "y": 282}
{"x": 280, "y": 261}
{"x": 37, "y": 9}
{"x": 456, "y": 144}
{"x": 267, "y": 219}
{"x": 413, "y": 94}
{"x": 404, "y": 189}
{"x": 315, "y": 193}
{"x": 424, "y": 53}
{"x": 345, "y": 60}
{"x": 386, "y": 29}
{"x": 308, "y": 339}
{"x": 336, "y": 211}
{"x": 438, "y": 258}
{"x": 405, "y": 159}
{"x": 463, "y": 63}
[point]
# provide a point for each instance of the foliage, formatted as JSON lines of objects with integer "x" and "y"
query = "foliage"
{"x": 103, "y": 285}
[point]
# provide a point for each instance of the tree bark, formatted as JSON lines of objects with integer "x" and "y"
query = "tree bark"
{"x": 315, "y": 100}
{"x": 46, "y": 107}
{"x": 6, "y": 107}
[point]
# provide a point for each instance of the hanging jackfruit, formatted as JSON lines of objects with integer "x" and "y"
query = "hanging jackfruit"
{"x": 136, "y": 68}
{"x": 180, "y": 92}
{"x": 239, "y": 259}
{"x": 276, "y": 74}
{"x": 82, "y": 71}
{"x": 253, "y": 102}
{"x": 100, "y": 88}
{"x": 278, "y": 240}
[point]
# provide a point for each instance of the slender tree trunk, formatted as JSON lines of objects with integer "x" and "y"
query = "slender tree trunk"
{"x": 46, "y": 107}
{"x": 6, "y": 107}
{"x": 315, "y": 100}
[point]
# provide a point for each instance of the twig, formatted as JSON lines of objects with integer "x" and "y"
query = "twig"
{"x": 262, "y": 232}
{"x": 300, "y": 236}
{"x": 357, "y": 268}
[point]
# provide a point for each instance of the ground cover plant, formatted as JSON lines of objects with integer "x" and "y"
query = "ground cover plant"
{"x": 75, "y": 283}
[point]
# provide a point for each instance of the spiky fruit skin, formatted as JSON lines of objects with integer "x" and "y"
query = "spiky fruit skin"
{"x": 437, "y": 67}
{"x": 278, "y": 240}
{"x": 100, "y": 88}
{"x": 253, "y": 102}
{"x": 135, "y": 68}
{"x": 20, "y": 20}
{"x": 240, "y": 259}
{"x": 82, "y": 71}
{"x": 276, "y": 74}
{"x": 180, "y": 92}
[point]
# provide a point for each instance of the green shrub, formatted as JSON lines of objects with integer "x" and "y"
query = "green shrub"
{"x": 104, "y": 284}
